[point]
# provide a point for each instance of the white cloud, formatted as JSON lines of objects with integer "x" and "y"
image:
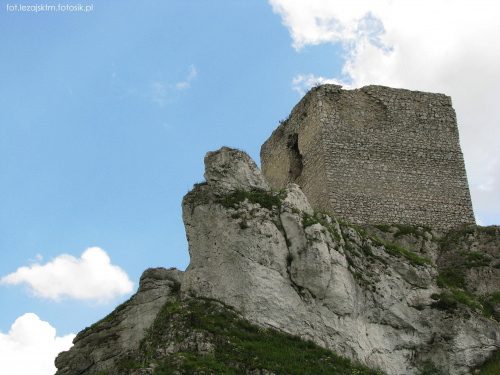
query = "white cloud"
{"x": 427, "y": 45}
{"x": 302, "y": 83}
{"x": 91, "y": 277}
{"x": 31, "y": 346}
{"x": 187, "y": 83}
{"x": 158, "y": 93}
{"x": 38, "y": 258}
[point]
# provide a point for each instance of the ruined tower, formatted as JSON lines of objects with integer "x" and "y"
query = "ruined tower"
{"x": 373, "y": 155}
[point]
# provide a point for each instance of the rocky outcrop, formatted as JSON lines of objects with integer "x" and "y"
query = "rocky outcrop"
{"x": 284, "y": 267}
{"x": 228, "y": 170}
{"x": 196, "y": 336}
{"x": 474, "y": 253}
{"x": 394, "y": 298}
{"x": 97, "y": 348}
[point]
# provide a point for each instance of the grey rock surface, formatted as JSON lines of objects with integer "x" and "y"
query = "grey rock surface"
{"x": 381, "y": 295}
{"x": 230, "y": 169}
{"x": 96, "y": 348}
{"x": 475, "y": 253}
{"x": 339, "y": 286}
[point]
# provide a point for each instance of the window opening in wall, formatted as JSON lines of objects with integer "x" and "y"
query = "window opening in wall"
{"x": 295, "y": 157}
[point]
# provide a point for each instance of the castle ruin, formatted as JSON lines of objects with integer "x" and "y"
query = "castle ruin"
{"x": 373, "y": 155}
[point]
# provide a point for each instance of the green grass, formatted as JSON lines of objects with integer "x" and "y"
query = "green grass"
{"x": 451, "y": 278}
{"x": 412, "y": 257}
{"x": 444, "y": 301}
{"x": 264, "y": 198}
{"x": 284, "y": 121}
{"x": 430, "y": 369}
{"x": 404, "y": 230}
{"x": 176, "y": 287}
{"x": 367, "y": 250}
{"x": 111, "y": 315}
{"x": 447, "y": 242}
{"x": 308, "y": 220}
{"x": 492, "y": 366}
{"x": 390, "y": 248}
{"x": 383, "y": 227}
{"x": 458, "y": 293}
{"x": 452, "y": 238}
{"x": 238, "y": 346}
{"x": 466, "y": 298}
{"x": 491, "y": 231}
{"x": 477, "y": 260}
{"x": 489, "y": 302}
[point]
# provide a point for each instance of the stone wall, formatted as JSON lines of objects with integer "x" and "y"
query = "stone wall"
{"x": 373, "y": 155}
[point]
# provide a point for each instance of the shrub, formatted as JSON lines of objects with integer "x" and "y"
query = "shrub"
{"x": 451, "y": 278}
{"x": 430, "y": 369}
{"x": 405, "y": 230}
{"x": 243, "y": 223}
{"x": 477, "y": 260}
{"x": 175, "y": 287}
{"x": 445, "y": 302}
{"x": 383, "y": 227}
{"x": 489, "y": 303}
{"x": 412, "y": 257}
{"x": 264, "y": 198}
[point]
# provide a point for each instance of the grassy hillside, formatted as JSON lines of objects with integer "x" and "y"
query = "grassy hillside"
{"x": 202, "y": 336}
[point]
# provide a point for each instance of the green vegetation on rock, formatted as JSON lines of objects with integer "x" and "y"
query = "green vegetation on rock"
{"x": 430, "y": 369}
{"x": 264, "y": 198}
{"x": 492, "y": 365}
{"x": 412, "y": 257}
{"x": 232, "y": 345}
{"x": 451, "y": 278}
{"x": 454, "y": 281}
{"x": 111, "y": 315}
{"x": 308, "y": 220}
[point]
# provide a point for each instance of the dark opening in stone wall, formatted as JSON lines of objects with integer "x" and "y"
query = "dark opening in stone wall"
{"x": 295, "y": 157}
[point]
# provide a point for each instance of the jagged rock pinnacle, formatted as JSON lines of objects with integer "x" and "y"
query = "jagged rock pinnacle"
{"x": 228, "y": 169}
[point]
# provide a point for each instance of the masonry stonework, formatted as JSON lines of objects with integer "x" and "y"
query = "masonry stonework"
{"x": 373, "y": 155}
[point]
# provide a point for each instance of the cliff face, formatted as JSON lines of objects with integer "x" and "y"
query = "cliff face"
{"x": 393, "y": 298}
{"x": 97, "y": 348}
{"x": 307, "y": 274}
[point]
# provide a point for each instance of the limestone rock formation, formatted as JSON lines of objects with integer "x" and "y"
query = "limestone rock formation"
{"x": 229, "y": 169}
{"x": 386, "y": 296}
{"x": 96, "y": 348}
{"x": 309, "y": 275}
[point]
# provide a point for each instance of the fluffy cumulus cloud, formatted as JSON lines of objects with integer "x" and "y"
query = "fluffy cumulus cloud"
{"x": 31, "y": 346}
{"x": 91, "y": 277}
{"x": 427, "y": 45}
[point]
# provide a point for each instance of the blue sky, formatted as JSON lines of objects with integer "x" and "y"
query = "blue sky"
{"x": 105, "y": 118}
